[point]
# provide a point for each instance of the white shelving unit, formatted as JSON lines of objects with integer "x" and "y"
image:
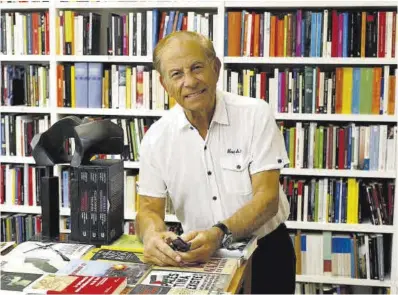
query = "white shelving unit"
{"x": 221, "y": 7}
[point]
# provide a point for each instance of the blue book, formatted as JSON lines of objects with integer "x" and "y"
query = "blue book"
{"x": 319, "y": 35}
{"x": 169, "y": 28}
{"x": 81, "y": 75}
{"x": 29, "y": 32}
{"x": 95, "y": 85}
{"x": 65, "y": 188}
{"x": 313, "y": 35}
{"x": 337, "y": 202}
{"x": 356, "y": 83}
{"x": 155, "y": 27}
{"x": 344, "y": 202}
{"x": 180, "y": 20}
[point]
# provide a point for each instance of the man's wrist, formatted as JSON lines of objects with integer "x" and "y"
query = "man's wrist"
{"x": 218, "y": 235}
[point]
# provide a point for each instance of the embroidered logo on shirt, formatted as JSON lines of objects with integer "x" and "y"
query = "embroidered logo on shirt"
{"x": 234, "y": 151}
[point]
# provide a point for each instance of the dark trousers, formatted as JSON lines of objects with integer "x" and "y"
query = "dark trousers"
{"x": 274, "y": 264}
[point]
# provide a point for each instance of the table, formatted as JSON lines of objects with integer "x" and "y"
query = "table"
{"x": 242, "y": 278}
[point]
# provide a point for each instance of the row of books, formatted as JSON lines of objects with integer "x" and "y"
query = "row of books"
{"x": 17, "y": 131}
{"x": 338, "y": 200}
{"x": 344, "y": 90}
{"x": 315, "y": 288}
{"x": 25, "y": 85}
{"x": 19, "y": 227}
{"x": 306, "y": 33}
{"x": 110, "y": 86}
{"x": 24, "y": 33}
{"x": 20, "y": 184}
{"x": 131, "y": 34}
{"x": 354, "y": 147}
{"x": 44, "y": 266}
{"x": 363, "y": 256}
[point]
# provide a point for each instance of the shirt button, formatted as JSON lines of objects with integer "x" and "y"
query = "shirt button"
{"x": 191, "y": 128}
{"x": 238, "y": 167}
{"x": 205, "y": 147}
{"x": 208, "y": 172}
{"x": 214, "y": 198}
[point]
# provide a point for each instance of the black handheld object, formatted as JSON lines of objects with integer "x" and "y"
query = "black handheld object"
{"x": 179, "y": 244}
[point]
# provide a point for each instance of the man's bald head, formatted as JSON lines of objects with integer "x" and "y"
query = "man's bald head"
{"x": 176, "y": 38}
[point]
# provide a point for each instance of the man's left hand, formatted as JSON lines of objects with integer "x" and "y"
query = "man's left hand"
{"x": 203, "y": 245}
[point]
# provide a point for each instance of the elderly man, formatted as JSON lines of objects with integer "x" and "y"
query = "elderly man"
{"x": 217, "y": 155}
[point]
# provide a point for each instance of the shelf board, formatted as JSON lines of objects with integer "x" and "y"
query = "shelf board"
{"x": 103, "y": 58}
{"x": 131, "y": 4}
{"x": 25, "y": 109}
{"x": 341, "y": 281}
{"x": 131, "y": 165}
{"x": 338, "y": 173}
{"x": 309, "y": 60}
{"x": 132, "y": 215}
{"x": 20, "y": 209}
{"x": 17, "y": 160}
{"x": 337, "y": 117}
{"x": 365, "y": 228}
{"x": 25, "y": 57}
{"x": 111, "y": 112}
{"x": 25, "y": 6}
{"x": 310, "y": 3}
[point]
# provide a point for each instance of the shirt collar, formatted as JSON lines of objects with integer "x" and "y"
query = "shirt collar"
{"x": 220, "y": 114}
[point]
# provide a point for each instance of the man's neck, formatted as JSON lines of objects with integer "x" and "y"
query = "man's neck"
{"x": 201, "y": 120}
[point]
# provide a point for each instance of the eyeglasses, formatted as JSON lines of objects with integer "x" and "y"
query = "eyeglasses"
{"x": 65, "y": 258}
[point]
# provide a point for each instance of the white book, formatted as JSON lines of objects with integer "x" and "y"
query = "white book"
{"x": 155, "y": 95}
{"x": 234, "y": 82}
{"x": 267, "y": 28}
{"x": 190, "y": 21}
{"x": 388, "y": 36}
{"x": 386, "y": 73}
{"x": 249, "y": 33}
{"x": 382, "y": 147}
{"x": 149, "y": 33}
{"x": 305, "y": 204}
{"x": 146, "y": 90}
{"x": 325, "y": 33}
{"x": 299, "y": 144}
{"x": 258, "y": 85}
{"x": 115, "y": 86}
{"x": 321, "y": 89}
{"x": 300, "y": 93}
{"x": 9, "y": 34}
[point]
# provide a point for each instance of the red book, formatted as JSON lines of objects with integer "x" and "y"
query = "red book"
{"x": 335, "y": 33}
{"x": 341, "y": 148}
{"x": 67, "y": 284}
{"x": 381, "y": 35}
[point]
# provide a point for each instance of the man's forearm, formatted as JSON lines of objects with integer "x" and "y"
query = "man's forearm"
{"x": 148, "y": 222}
{"x": 253, "y": 215}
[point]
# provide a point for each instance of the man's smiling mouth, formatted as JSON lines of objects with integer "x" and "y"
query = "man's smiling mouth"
{"x": 193, "y": 95}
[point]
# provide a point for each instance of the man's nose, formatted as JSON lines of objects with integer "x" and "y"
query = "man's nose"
{"x": 190, "y": 80}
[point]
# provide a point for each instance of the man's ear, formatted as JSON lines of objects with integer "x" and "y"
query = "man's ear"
{"x": 217, "y": 66}
{"x": 161, "y": 82}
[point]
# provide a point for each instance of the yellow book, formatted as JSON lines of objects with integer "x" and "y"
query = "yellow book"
{"x": 106, "y": 92}
{"x": 246, "y": 79}
{"x": 347, "y": 91}
{"x": 68, "y": 33}
{"x": 128, "y": 87}
{"x": 350, "y": 200}
{"x": 73, "y": 87}
{"x": 285, "y": 28}
{"x": 356, "y": 202}
{"x": 129, "y": 243}
{"x": 292, "y": 155}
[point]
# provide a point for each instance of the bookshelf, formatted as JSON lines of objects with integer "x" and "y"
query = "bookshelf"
{"x": 221, "y": 8}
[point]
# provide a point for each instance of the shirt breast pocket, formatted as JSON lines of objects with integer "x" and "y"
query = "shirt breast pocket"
{"x": 235, "y": 174}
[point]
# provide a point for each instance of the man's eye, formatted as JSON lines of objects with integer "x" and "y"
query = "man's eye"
{"x": 176, "y": 74}
{"x": 197, "y": 67}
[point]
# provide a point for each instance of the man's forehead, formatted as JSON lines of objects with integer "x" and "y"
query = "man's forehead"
{"x": 181, "y": 58}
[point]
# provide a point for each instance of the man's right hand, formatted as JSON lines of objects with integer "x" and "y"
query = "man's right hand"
{"x": 157, "y": 251}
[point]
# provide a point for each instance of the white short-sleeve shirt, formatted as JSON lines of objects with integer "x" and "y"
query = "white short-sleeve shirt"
{"x": 209, "y": 180}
